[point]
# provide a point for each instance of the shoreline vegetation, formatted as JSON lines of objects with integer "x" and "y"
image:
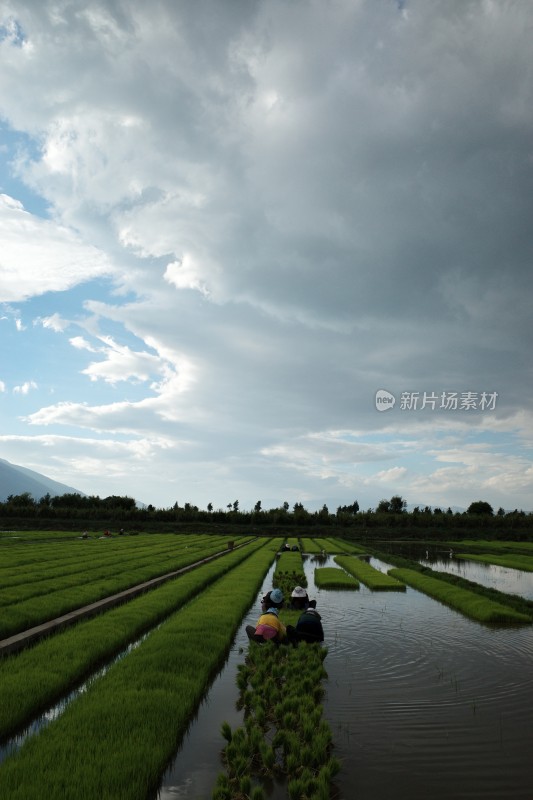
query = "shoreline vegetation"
{"x": 391, "y": 518}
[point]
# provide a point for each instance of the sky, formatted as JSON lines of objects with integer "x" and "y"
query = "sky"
{"x": 268, "y": 251}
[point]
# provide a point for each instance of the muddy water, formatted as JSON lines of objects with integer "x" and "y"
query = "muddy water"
{"x": 422, "y": 702}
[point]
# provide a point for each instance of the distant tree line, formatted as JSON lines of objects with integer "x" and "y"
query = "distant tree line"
{"x": 390, "y": 517}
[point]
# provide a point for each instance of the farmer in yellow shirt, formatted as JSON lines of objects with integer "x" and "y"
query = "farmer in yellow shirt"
{"x": 269, "y": 626}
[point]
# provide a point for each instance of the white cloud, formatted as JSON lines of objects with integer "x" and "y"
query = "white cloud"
{"x": 54, "y": 322}
{"x": 25, "y": 387}
{"x": 82, "y": 344}
{"x": 39, "y": 256}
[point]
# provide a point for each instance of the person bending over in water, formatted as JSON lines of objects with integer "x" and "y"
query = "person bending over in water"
{"x": 308, "y": 628}
{"x": 269, "y": 626}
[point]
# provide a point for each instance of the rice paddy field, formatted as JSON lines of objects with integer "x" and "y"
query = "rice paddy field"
{"x": 412, "y": 696}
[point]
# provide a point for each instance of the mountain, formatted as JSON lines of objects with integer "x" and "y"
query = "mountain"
{"x": 17, "y": 480}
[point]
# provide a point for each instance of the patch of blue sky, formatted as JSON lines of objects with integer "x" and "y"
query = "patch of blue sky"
{"x": 30, "y": 352}
{"x": 16, "y": 145}
{"x": 11, "y": 32}
{"x": 70, "y": 304}
{"x": 52, "y": 370}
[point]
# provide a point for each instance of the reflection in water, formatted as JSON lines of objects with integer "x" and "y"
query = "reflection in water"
{"x": 422, "y": 702}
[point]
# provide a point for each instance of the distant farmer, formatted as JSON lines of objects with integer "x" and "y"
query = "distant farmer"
{"x": 269, "y": 626}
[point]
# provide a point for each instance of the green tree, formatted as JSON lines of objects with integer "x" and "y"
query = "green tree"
{"x": 397, "y": 504}
{"x": 480, "y": 507}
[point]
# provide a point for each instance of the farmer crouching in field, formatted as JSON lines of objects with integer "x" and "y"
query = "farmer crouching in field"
{"x": 269, "y": 626}
{"x": 299, "y": 599}
{"x": 308, "y": 628}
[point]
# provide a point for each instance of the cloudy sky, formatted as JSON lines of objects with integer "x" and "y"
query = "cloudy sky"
{"x": 276, "y": 251}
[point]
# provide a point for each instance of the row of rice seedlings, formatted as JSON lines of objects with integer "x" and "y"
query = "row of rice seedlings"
{"x": 20, "y": 555}
{"x": 333, "y": 578}
{"x": 326, "y": 545}
{"x": 469, "y": 603}
{"x": 289, "y": 572}
{"x": 345, "y": 546}
{"x": 88, "y": 554}
{"x": 512, "y": 561}
{"x": 115, "y": 740}
{"x": 333, "y": 544}
{"x": 284, "y": 735}
{"x": 493, "y": 546}
{"x": 55, "y": 579}
{"x": 372, "y": 578}
{"x": 308, "y": 545}
{"x": 34, "y": 679}
{"x": 38, "y": 609}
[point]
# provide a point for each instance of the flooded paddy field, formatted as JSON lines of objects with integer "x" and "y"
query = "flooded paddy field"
{"x": 443, "y": 559}
{"x": 422, "y": 702}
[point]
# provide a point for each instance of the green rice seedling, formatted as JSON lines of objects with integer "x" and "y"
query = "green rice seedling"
{"x": 333, "y": 578}
{"x": 226, "y": 731}
{"x": 221, "y": 792}
{"x": 268, "y": 757}
{"x": 469, "y": 603}
{"x": 296, "y": 789}
{"x": 373, "y": 578}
